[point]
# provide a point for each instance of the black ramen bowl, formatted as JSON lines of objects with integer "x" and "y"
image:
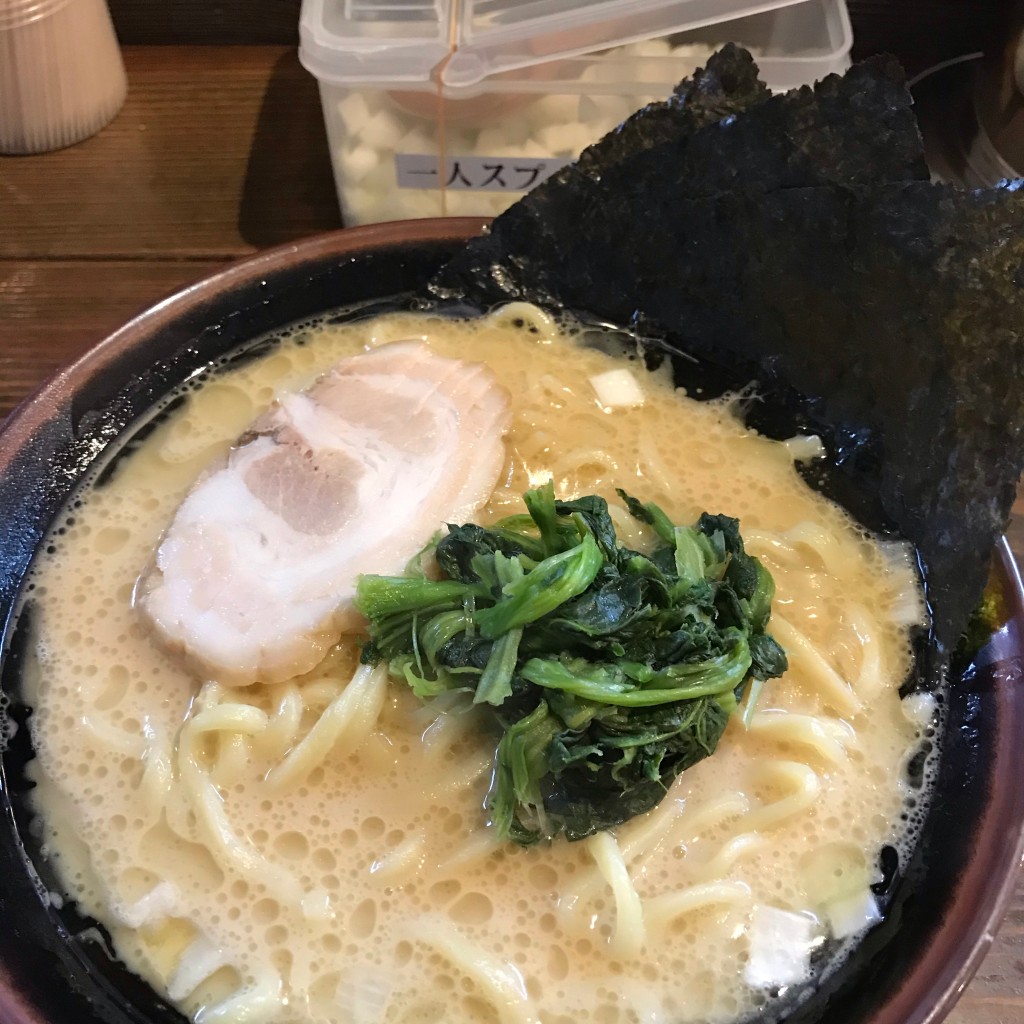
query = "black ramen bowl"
{"x": 55, "y": 966}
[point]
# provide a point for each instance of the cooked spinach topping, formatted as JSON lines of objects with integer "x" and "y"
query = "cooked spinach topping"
{"x": 607, "y": 671}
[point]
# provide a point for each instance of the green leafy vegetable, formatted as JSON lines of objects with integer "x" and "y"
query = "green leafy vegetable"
{"x": 606, "y": 671}
{"x": 990, "y": 613}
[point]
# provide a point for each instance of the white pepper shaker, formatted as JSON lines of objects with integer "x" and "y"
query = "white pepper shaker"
{"x": 61, "y": 74}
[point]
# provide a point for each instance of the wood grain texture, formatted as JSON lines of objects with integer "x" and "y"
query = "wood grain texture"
{"x": 53, "y": 312}
{"x": 227, "y": 154}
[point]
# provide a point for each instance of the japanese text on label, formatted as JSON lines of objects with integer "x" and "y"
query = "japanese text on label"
{"x": 482, "y": 173}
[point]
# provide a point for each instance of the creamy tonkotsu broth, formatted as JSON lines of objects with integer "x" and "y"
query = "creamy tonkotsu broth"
{"x": 317, "y": 849}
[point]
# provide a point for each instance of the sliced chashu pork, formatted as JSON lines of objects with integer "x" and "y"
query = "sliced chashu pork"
{"x": 254, "y": 579}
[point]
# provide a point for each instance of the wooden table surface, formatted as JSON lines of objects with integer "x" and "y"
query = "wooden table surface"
{"x": 219, "y": 152}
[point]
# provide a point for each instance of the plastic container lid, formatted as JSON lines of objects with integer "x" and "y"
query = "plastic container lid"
{"x": 459, "y": 43}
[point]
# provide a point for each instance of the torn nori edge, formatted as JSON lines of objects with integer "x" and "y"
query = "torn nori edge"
{"x": 728, "y": 85}
{"x": 795, "y": 235}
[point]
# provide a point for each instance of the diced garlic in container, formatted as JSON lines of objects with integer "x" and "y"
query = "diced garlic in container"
{"x": 434, "y": 108}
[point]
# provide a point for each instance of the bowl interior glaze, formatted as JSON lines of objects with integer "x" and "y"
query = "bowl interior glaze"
{"x": 944, "y": 903}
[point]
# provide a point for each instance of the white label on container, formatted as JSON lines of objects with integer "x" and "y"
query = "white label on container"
{"x": 479, "y": 173}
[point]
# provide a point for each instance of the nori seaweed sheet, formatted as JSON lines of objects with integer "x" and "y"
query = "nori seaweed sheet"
{"x": 795, "y": 235}
{"x": 728, "y": 85}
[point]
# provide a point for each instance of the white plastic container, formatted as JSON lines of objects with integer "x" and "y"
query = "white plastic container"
{"x": 441, "y": 109}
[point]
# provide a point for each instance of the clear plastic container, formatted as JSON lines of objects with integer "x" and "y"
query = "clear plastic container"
{"x": 429, "y": 115}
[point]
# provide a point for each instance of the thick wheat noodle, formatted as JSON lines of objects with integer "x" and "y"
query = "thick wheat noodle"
{"x": 770, "y": 547}
{"x": 99, "y": 691}
{"x": 656, "y": 470}
{"x": 344, "y": 724}
{"x": 505, "y": 503}
{"x": 470, "y": 771}
{"x": 179, "y": 813}
{"x": 297, "y": 973}
{"x": 119, "y": 740}
{"x": 210, "y": 694}
{"x": 827, "y": 737}
{"x": 423, "y": 716}
{"x": 224, "y": 843}
{"x": 447, "y": 730}
{"x": 732, "y": 805}
{"x": 233, "y": 760}
{"x": 805, "y": 788}
{"x": 571, "y": 462}
{"x": 282, "y": 728}
{"x": 721, "y": 863}
{"x": 823, "y": 543}
{"x": 661, "y": 911}
{"x": 542, "y": 389}
{"x": 807, "y": 661}
{"x": 233, "y": 723}
{"x": 637, "y": 836}
{"x": 729, "y": 805}
{"x": 402, "y": 864}
{"x": 257, "y": 1003}
{"x": 158, "y": 769}
{"x": 670, "y": 822}
{"x": 634, "y": 838}
{"x": 626, "y": 527}
{"x": 872, "y": 668}
{"x": 199, "y": 960}
{"x": 242, "y": 719}
{"x": 320, "y": 692}
{"x": 514, "y": 463}
{"x": 628, "y": 936}
{"x": 499, "y": 983}
{"x": 477, "y": 848}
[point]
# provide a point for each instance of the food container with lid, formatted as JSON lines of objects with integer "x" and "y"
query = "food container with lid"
{"x": 441, "y": 107}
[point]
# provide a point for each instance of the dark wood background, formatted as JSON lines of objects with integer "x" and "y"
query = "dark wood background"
{"x": 920, "y": 32}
